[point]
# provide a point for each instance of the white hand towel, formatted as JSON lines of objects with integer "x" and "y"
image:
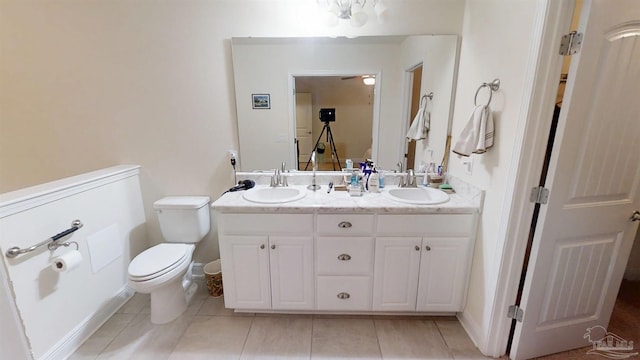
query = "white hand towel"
{"x": 420, "y": 125}
{"x": 477, "y": 135}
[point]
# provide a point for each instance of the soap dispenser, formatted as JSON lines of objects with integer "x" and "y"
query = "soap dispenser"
{"x": 354, "y": 188}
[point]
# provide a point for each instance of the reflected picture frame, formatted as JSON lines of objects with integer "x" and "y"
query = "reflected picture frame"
{"x": 261, "y": 101}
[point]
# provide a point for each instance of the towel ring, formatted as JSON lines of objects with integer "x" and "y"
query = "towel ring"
{"x": 425, "y": 97}
{"x": 493, "y": 86}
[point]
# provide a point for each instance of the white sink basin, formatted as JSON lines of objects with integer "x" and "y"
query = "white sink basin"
{"x": 273, "y": 195}
{"x": 419, "y": 196}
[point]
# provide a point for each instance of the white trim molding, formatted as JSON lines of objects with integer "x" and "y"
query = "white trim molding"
{"x": 74, "y": 339}
{"x": 553, "y": 19}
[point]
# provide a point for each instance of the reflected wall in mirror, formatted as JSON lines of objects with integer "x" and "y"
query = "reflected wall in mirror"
{"x": 348, "y": 137}
{"x": 272, "y": 65}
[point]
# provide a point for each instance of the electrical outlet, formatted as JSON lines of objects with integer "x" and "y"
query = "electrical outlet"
{"x": 468, "y": 166}
{"x": 233, "y": 158}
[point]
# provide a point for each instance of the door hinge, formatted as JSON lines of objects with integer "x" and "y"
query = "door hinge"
{"x": 570, "y": 43}
{"x": 539, "y": 195}
{"x": 515, "y": 312}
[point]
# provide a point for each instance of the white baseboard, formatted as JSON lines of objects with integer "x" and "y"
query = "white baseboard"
{"x": 632, "y": 274}
{"x": 72, "y": 341}
{"x": 473, "y": 330}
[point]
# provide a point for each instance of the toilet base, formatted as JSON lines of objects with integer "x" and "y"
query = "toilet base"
{"x": 168, "y": 302}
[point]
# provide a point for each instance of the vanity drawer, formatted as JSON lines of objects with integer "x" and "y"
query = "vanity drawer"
{"x": 426, "y": 224}
{"x": 340, "y": 224}
{"x": 262, "y": 224}
{"x": 344, "y": 255}
{"x": 344, "y": 293}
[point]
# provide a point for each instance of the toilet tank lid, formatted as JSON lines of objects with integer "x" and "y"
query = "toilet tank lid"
{"x": 181, "y": 202}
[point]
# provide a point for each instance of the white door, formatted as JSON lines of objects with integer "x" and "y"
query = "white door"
{"x": 395, "y": 274}
{"x": 245, "y": 270}
{"x": 291, "y": 262}
{"x": 584, "y": 233}
{"x": 443, "y": 274}
{"x": 304, "y": 118}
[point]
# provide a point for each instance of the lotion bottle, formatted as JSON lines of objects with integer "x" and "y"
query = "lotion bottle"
{"x": 373, "y": 182}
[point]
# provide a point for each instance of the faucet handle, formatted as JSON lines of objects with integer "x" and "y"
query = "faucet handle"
{"x": 401, "y": 181}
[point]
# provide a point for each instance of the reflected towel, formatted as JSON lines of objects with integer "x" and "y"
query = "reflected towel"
{"x": 420, "y": 125}
{"x": 478, "y": 135}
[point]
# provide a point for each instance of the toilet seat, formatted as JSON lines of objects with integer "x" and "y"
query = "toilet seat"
{"x": 159, "y": 260}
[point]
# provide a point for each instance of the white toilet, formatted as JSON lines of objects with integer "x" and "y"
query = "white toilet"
{"x": 164, "y": 270}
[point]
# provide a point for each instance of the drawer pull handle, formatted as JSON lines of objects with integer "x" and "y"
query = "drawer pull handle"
{"x": 262, "y": 246}
{"x": 344, "y": 257}
{"x": 417, "y": 248}
{"x": 428, "y": 248}
{"x": 343, "y": 296}
{"x": 344, "y": 225}
{"x": 273, "y": 247}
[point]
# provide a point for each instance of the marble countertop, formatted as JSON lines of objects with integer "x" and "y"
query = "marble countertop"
{"x": 341, "y": 202}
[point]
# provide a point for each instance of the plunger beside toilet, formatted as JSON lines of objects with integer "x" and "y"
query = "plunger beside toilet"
{"x": 164, "y": 270}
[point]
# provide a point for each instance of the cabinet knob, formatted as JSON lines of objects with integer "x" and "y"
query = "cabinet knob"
{"x": 417, "y": 248}
{"x": 344, "y": 225}
{"x": 262, "y": 246}
{"x": 343, "y": 296}
{"x": 273, "y": 246}
{"x": 344, "y": 257}
{"x": 428, "y": 248}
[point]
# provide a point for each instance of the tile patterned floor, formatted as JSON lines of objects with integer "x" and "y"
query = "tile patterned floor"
{"x": 207, "y": 330}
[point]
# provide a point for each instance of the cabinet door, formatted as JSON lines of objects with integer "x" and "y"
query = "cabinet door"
{"x": 291, "y": 263}
{"x": 245, "y": 271}
{"x": 444, "y": 269}
{"x": 395, "y": 276}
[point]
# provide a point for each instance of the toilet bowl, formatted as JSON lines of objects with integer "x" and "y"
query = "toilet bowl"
{"x": 164, "y": 270}
{"x": 161, "y": 271}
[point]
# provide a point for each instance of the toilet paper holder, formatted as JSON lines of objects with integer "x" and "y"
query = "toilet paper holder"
{"x": 51, "y": 242}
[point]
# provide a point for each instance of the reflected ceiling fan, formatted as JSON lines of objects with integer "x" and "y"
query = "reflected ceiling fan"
{"x": 366, "y": 79}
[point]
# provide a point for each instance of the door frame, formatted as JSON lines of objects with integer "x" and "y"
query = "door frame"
{"x": 553, "y": 19}
{"x": 346, "y": 72}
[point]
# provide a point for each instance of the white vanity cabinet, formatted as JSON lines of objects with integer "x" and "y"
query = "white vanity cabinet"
{"x": 422, "y": 262}
{"x": 267, "y": 261}
{"x": 344, "y": 261}
{"x": 341, "y": 260}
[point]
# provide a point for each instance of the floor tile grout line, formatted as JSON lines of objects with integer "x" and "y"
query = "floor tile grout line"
{"x": 444, "y": 339}
{"x": 313, "y": 323}
{"x": 375, "y": 328}
{"x": 246, "y": 337}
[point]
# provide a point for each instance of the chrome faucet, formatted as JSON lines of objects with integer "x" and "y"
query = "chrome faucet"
{"x": 408, "y": 179}
{"x": 278, "y": 178}
{"x": 313, "y": 185}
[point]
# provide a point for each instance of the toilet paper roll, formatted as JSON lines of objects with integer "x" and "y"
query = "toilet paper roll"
{"x": 67, "y": 261}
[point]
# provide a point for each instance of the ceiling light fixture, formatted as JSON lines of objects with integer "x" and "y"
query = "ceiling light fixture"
{"x": 352, "y": 10}
{"x": 369, "y": 79}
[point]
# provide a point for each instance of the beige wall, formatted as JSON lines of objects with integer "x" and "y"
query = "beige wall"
{"x": 484, "y": 56}
{"x": 89, "y": 84}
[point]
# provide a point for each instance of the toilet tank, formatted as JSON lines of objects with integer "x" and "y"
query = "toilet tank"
{"x": 183, "y": 219}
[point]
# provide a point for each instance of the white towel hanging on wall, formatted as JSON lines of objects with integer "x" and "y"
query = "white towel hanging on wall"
{"x": 477, "y": 136}
{"x": 422, "y": 121}
{"x": 420, "y": 125}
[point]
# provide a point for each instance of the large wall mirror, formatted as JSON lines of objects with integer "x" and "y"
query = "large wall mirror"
{"x": 375, "y": 84}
